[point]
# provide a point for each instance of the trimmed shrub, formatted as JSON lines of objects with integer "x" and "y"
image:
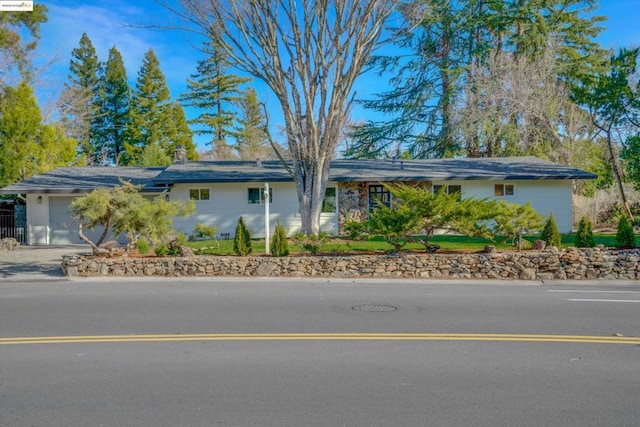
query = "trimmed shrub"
{"x": 550, "y": 233}
{"x": 202, "y": 231}
{"x": 143, "y": 246}
{"x": 311, "y": 243}
{"x": 584, "y": 236}
{"x": 242, "y": 239}
{"x": 625, "y": 239}
{"x": 279, "y": 244}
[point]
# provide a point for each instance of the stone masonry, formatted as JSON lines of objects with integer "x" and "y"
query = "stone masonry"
{"x": 547, "y": 264}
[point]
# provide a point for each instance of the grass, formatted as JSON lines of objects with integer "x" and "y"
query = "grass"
{"x": 379, "y": 245}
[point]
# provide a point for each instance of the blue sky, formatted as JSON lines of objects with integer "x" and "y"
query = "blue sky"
{"x": 113, "y": 22}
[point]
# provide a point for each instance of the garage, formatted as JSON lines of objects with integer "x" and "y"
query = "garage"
{"x": 63, "y": 227}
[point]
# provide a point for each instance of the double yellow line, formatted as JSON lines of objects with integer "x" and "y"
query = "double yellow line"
{"x": 324, "y": 337}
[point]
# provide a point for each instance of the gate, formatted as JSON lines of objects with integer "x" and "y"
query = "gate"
{"x": 13, "y": 224}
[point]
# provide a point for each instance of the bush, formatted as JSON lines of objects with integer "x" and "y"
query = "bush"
{"x": 311, "y": 243}
{"x": 242, "y": 239}
{"x": 143, "y": 246}
{"x": 279, "y": 244}
{"x": 161, "y": 249}
{"x": 355, "y": 229}
{"x": 202, "y": 231}
{"x": 550, "y": 233}
{"x": 625, "y": 239}
{"x": 584, "y": 236}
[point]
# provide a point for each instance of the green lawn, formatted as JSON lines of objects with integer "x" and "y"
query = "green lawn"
{"x": 378, "y": 245}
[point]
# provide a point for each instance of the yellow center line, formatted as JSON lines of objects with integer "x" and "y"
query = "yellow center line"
{"x": 323, "y": 337}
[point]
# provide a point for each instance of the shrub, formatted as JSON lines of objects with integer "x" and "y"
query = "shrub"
{"x": 143, "y": 246}
{"x": 625, "y": 239}
{"x": 161, "y": 249}
{"x": 202, "y": 231}
{"x": 279, "y": 244}
{"x": 355, "y": 229}
{"x": 311, "y": 243}
{"x": 242, "y": 239}
{"x": 550, "y": 233}
{"x": 584, "y": 236}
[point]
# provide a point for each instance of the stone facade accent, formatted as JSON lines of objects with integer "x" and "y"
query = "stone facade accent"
{"x": 548, "y": 264}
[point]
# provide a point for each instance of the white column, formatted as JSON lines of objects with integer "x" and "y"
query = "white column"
{"x": 267, "y": 200}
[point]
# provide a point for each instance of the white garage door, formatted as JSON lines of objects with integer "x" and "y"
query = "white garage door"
{"x": 64, "y": 228}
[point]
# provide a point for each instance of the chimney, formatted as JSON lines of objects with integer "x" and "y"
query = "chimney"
{"x": 180, "y": 154}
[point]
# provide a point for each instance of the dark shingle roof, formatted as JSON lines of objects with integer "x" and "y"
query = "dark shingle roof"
{"x": 378, "y": 170}
{"x": 83, "y": 179}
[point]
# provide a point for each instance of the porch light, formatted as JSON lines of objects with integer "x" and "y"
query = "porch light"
{"x": 39, "y": 200}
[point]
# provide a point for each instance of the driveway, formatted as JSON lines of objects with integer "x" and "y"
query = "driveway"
{"x": 36, "y": 262}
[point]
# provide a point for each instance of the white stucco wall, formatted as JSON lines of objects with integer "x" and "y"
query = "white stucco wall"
{"x": 229, "y": 201}
{"x": 546, "y": 196}
{"x": 37, "y": 219}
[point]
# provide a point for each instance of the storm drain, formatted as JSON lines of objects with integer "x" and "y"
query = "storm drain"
{"x": 377, "y": 308}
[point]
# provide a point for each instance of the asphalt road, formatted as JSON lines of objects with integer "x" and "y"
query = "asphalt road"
{"x": 202, "y": 352}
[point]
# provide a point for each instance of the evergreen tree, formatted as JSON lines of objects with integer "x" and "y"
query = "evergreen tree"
{"x": 183, "y": 135}
{"x": 214, "y": 92}
{"x": 84, "y": 79}
{"x": 251, "y": 141}
{"x": 242, "y": 239}
{"x": 584, "y": 235}
{"x": 19, "y": 124}
{"x": 625, "y": 239}
{"x": 115, "y": 98}
{"x": 550, "y": 233}
{"x": 279, "y": 243}
{"x": 27, "y": 147}
{"x": 150, "y": 121}
{"x": 448, "y": 39}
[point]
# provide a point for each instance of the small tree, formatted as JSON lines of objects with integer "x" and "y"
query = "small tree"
{"x": 279, "y": 243}
{"x": 468, "y": 216}
{"x": 625, "y": 239}
{"x": 124, "y": 210}
{"x": 242, "y": 239}
{"x": 550, "y": 233}
{"x": 396, "y": 224}
{"x": 584, "y": 236}
{"x": 513, "y": 220}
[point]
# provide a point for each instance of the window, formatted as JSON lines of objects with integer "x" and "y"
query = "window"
{"x": 501, "y": 190}
{"x": 329, "y": 201}
{"x": 378, "y": 195}
{"x": 256, "y": 195}
{"x": 449, "y": 189}
{"x": 199, "y": 194}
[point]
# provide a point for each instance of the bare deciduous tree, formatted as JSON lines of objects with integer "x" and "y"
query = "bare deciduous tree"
{"x": 309, "y": 52}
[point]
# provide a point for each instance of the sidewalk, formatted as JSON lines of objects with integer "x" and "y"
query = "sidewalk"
{"x": 29, "y": 263}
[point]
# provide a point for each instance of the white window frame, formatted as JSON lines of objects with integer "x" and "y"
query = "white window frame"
{"x": 261, "y": 198}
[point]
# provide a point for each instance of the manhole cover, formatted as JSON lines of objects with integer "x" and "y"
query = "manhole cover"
{"x": 374, "y": 307}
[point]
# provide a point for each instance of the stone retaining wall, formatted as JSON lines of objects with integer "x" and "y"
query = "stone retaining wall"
{"x": 529, "y": 265}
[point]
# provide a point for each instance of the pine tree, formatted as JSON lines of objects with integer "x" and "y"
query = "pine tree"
{"x": 584, "y": 235}
{"x": 27, "y": 147}
{"x": 251, "y": 140}
{"x": 150, "y": 121}
{"x": 279, "y": 243}
{"x": 625, "y": 239}
{"x": 215, "y": 92}
{"x": 242, "y": 239}
{"x": 115, "y": 99}
{"x": 550, "y": 233}
{"x": 84, "y": 79}
{"x": 183, "y": 135}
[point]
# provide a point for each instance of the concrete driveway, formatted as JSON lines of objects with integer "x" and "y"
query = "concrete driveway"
{"x": 36, "y": 262}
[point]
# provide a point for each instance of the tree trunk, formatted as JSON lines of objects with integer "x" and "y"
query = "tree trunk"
{"x": 616, "y": 172}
